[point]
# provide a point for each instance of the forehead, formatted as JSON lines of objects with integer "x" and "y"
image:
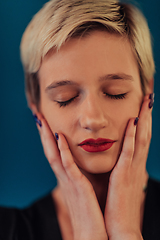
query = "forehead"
{"x": 96, "y": 54}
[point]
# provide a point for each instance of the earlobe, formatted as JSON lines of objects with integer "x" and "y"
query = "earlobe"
{"x": 150, "y": 87}
{"x": 33, "y": 107}
{"x": 36, "y": 114}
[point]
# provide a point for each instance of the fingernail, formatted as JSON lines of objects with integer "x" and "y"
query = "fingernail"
{"x": 151, "y": 96}
{"x": 151, "y": 104}
{"x": 37, "y": 120}
{"x": 136, "y": 121}
{"x": 39, "y": 123}
{"x": 56, "y": 135}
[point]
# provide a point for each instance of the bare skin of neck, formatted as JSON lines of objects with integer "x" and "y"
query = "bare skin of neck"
{"x": 100, "y": 184}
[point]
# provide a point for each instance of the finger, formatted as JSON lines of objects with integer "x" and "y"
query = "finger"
{"x": 143, "y": 133}
{"x": 127, "y": 152}
{"x": 69, "y": 165}
{"x": 50, "y": 148}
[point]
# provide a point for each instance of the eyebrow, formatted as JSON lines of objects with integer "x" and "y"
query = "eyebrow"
{"x": 118, "y": 76}
{"x": 60, "y": 83}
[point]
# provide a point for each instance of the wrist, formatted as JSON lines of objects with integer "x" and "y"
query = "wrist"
{"x": 105, "y": 237}
{"x": 92, "y": 238}
{"x": 127, "y": 236}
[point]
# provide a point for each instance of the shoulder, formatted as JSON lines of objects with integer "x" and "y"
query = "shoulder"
{"x": 155, "y": 184}
{"x": 153, "y": 195}
{"x": 38, "y": 221}
{"x": 151, "y": 223}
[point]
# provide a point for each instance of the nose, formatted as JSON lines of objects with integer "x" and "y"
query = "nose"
{"x": 93, "y": 116}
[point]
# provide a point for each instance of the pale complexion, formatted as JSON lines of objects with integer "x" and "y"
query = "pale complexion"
{"x": 99, "y": 72}
{"x": 90, "y": 63}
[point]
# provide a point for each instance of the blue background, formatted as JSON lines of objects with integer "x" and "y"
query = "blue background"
{"x": 25, "y": 174}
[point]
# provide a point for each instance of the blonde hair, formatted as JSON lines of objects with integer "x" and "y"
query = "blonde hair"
{"x": 60, "y": 20}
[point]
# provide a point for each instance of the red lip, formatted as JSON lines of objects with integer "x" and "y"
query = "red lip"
{"x": 96, "y": 145}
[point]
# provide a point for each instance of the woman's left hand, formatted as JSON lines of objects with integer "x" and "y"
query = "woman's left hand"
{"x": 124, "y": 205}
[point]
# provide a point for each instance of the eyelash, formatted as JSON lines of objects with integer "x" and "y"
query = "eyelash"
{"x": 118, "y": 96}
{"x": 65, "y": 103}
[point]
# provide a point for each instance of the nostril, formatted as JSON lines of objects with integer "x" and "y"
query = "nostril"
{"x": 92, "y": 116}
{"x": 87, "y": 128}
{"x": 93, "y": 124}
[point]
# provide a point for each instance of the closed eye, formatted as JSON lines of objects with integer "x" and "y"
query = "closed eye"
{"x": 65, "y": 103}
{"x": 118, "y": 96}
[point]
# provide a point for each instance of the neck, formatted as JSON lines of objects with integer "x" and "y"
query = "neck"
{"x": 100, "y": 184}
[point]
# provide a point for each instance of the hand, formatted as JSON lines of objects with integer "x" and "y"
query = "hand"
{"x": 125, "y": 193}
{"x": 84, "y": 211}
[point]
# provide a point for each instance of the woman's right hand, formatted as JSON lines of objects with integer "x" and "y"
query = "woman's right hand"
{"x": 86, "y": 217}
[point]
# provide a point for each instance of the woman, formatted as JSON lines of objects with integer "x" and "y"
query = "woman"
{"x": 89, "y": 83}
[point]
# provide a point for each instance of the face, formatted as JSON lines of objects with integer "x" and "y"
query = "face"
{"x": 90, "y": 89}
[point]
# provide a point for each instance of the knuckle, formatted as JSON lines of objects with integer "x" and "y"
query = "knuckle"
{"x": 52, "y": 160}
{"x": 127, "y": 153}
{"x": 67, "y": 164}
{"x": 131, "y": 135}
{"x": 64, "y": 148}
{"x": 143, "y": 141}
{"x": 81, "y": 180}
{"x": 51, "y": 157}
{"x": 84, "y": 185}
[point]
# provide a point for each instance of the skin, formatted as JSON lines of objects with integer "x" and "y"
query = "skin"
{"x": 91, "y": 115}
{"x": 99, "y": 194}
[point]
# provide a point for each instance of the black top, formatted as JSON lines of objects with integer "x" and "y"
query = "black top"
{"x": 39, "y": 221}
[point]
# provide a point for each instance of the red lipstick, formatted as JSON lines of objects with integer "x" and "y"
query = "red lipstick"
{"x": 96, "y": 145}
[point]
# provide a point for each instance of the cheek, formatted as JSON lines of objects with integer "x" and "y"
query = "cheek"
{"x": 57, "y": 121}
{"x": 123, "y": 114}
{"x": 50, "y": 115}
{"x": 49, "y": 112}
{"x": 131, "y": 107}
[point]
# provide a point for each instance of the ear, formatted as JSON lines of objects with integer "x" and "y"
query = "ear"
{"x": 150, "y": 86}
{"x": 33, "y": 107}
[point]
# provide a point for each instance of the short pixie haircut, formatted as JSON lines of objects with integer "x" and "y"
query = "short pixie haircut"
{"x": 60, "y": 20}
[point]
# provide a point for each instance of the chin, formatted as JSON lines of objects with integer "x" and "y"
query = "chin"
{"x": 97, "y": 164}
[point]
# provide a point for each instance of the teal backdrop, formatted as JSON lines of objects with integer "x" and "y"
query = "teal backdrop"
{"x": 25, "y": 174}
